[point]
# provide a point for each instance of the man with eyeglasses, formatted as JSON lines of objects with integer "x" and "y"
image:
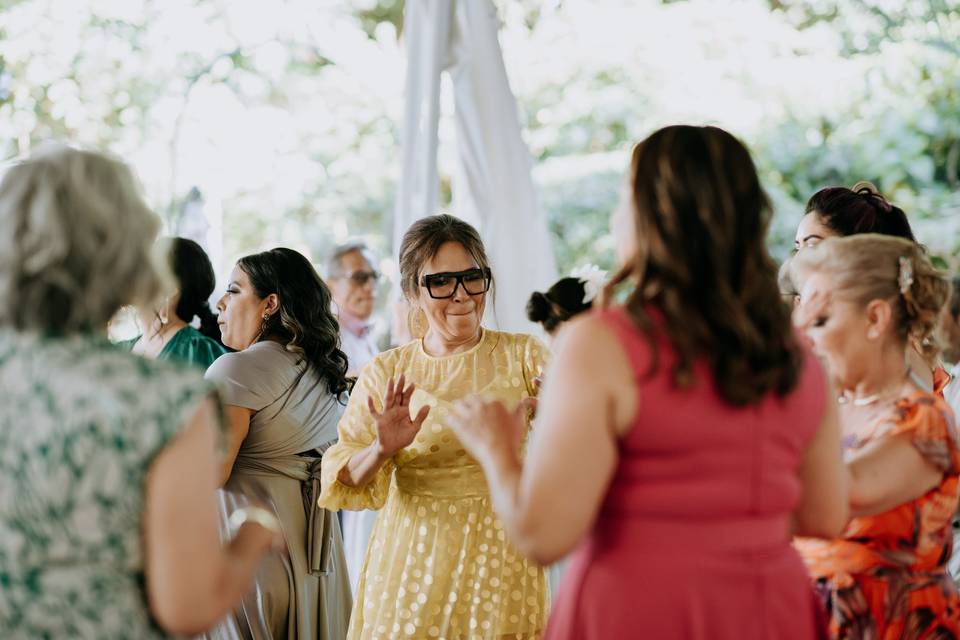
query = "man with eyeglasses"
{"x": 352, "y": 279}
{"x": 353, "y": 282}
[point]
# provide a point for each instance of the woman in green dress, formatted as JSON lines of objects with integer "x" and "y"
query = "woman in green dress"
{"x": 108, "y": 521}
{"x": 167, "y": 331}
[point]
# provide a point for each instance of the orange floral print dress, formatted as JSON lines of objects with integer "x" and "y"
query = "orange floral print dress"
{"x": 886, "y": 577}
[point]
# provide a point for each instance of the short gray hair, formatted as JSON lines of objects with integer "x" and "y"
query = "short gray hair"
{"x": 76, "y": 242}
{"x": 334, "y": 266}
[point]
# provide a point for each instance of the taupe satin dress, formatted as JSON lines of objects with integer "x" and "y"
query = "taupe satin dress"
{"x": 304, "y": 593}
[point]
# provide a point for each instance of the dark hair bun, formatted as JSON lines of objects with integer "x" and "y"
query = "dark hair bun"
{"x": 538, "y": 307}
{"x": 862, "y": 209}
{"x": 563, "y": 301}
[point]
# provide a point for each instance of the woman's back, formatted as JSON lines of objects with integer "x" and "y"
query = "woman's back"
{"x": 77, "y": 436}
{"x": 693, "y": 536}
{"x": 294, "y": 412}
{"x": 692, "y": 455}
{"x": 304, "y": 593}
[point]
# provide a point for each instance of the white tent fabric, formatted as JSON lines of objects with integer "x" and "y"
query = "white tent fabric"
{"x": 492, "y": 183}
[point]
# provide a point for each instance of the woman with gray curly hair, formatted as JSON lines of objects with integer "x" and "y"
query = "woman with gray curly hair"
{"x": 108, "y": 523}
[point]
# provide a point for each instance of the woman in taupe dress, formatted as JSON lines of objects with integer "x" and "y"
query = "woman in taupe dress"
{"x": 283, "y": 390}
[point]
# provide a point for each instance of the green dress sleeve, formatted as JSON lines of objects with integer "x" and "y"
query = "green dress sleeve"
{"x": 192, "y": 347}
{"x": 126, "y": 345}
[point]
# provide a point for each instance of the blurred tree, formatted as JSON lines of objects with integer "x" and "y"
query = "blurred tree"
{"x": 284, "y": 115}
{"x": 901, "y": 125}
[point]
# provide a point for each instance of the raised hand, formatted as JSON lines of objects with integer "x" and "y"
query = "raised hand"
{"x": 810, "y": 309}
{"x": 395, "y": 428}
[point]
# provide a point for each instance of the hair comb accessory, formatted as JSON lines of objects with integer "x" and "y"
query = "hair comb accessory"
{"x": 592, "y": 277}
{"x": 866, "y": 186}
{"x": 905, "y": 275}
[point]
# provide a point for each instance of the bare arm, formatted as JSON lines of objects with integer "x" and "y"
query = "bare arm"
{"x": 888, "y": 473}
{"x": 548, "y": 503}
{"x": 823, "y": 510}
{"x": 238, "y": 426}
{"x": 193, "y": 581}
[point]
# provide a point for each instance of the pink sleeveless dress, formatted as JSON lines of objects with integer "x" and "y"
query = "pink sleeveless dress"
{"x": 692, "y": 540}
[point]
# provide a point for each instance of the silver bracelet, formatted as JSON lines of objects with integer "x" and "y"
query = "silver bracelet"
{"x": 258, "y": 515}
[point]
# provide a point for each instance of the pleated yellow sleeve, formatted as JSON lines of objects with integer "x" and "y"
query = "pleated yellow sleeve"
{"x": 357, "y": 431}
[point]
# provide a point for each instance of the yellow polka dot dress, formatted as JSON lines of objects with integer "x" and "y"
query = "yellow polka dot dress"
{"x": 439, "y": 564}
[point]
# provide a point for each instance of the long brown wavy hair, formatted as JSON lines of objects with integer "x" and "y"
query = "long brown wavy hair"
{"x": 701, "y": 263}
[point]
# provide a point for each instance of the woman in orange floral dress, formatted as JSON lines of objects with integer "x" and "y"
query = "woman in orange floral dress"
{"x": 862, "y": 299}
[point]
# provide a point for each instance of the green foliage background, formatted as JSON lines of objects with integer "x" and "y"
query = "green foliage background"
{"x": 288, "y": 119}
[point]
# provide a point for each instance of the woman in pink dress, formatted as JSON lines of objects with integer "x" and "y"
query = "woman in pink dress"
{"x": 683, "y": 437}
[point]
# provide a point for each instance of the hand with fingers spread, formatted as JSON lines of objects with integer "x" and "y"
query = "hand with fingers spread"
{"x": 809, "y": 312}
{"x": 395, "y": 428}
{"x": 487, "y": 428}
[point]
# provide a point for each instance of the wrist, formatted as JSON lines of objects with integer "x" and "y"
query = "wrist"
{"x": 255, "y": 515}
{"x": 381, "y": 453}
{"x": 500, "y": 457}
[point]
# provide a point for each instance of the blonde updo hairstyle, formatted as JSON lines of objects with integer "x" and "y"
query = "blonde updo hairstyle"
{"x": 76, "y": 243}
{"x": 871, "y": 266}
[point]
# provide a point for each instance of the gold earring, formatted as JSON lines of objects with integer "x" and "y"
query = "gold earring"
{"x": 263, "y": 325}
{"x": 417, "y": 323}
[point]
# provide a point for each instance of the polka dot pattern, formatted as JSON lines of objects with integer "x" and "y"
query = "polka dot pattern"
{"x": 439, "y": 564}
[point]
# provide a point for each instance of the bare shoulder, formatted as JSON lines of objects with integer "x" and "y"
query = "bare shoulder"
{"x": 589, "y": 336}
{"x": 589, "y": 351}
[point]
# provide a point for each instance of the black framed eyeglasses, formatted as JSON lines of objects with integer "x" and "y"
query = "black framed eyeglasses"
{"x": 361, "y": 277}
{"x": 443, "y": 285}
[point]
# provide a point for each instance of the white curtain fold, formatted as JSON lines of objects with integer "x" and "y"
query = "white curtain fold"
{"x": 492, "y": 182}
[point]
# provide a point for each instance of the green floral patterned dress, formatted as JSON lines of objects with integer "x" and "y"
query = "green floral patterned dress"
{"x": 80, "y": 423}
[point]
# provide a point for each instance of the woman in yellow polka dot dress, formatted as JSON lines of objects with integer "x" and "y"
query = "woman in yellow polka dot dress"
{"x": 439, "y": 564}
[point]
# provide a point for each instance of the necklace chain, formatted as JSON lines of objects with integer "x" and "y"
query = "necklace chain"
{"x": 866, "y": 401}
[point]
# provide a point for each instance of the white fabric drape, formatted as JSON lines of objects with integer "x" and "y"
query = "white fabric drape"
{"x": 492, "y": 184}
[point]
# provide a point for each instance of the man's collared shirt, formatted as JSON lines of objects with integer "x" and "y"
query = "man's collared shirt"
{"x": 356, "y": 340}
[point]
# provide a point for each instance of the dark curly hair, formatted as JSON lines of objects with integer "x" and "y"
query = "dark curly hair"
{"x": 704, "y": 278}
{"x": 561, "y": 302}
{"x": 304, "y": 323}
{"x": 861, "y": 209}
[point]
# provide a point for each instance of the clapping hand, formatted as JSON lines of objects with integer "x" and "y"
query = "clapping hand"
{"x": 487, "y": 428}
{"x": 395, "y": 428}
{"x": 531, "y": 402}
